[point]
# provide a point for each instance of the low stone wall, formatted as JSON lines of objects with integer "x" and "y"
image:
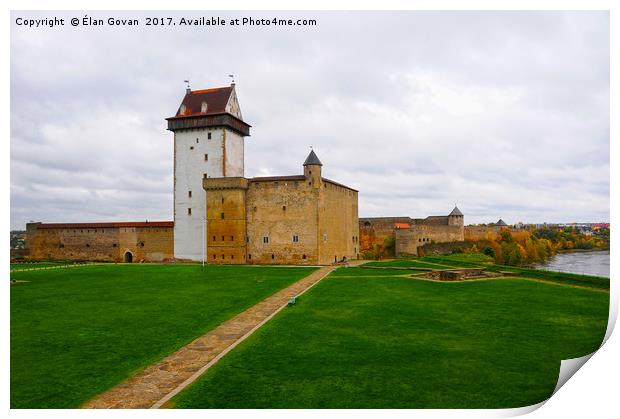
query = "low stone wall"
{"x": 448, "y": 248}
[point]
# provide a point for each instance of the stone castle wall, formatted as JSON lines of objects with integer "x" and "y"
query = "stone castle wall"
{"x": 100, "y": 242}
{"x": 338, "y": 224}
{"x": 473, "y": 233}
{"x": 374, "y": 231}
{"x": 409, "y": 239}
{"x": 287, "y": 220}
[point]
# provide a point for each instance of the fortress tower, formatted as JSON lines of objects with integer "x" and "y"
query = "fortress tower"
{"x": 455, "y": 218}
{"x": 209, "y": 134}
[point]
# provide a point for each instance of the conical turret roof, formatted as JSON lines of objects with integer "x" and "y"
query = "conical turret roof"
{"x": 501, "y": 223}
{"x": 312, "y": 159}
{"x": 456, "y": 211}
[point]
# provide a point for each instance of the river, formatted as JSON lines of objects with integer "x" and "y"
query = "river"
{"x": 588, "y": 263}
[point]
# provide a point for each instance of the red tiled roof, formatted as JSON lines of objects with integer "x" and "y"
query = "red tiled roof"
{"x": 402, "y": 225}
{"x": 216, "y": 98}
{"x": 109, "y": 225}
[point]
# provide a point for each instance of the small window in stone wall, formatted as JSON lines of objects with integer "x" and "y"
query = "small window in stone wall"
{"x": 197, "y": 141}
{"x": 222, "y": 238}
{"x": 222, "y": 215}
{"x": 295, "y": 238}
{"x": 283, "y": 207}
{"x": 232, "y": 238}
{"x": 213, "y": 238}
{"x": 206, "y": 157}
{"x": 303, "y": 256}
{"x": 191, "y": 147}
{"x": 249, "y": 257}
{"x": 189, "y": 194}
{"x": 208, "y": 136}
{"x": 265, "y": 239}
{"x": 273, "y": 256}
{"x": 62, "y": 245}
{"x": 214, "y": 256}
{"x": 114, "y": 245}
{"x": 232, "y": 256}
{"x": 189, "y": 211}
{"x": 222, "y": 256}
{"x": 87, "y": 245}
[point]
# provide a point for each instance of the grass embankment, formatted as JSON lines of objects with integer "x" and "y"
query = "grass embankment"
{"x": 389, "y": 342}
{"x": 461, "y": 261}
{"x": 77, "y": 332}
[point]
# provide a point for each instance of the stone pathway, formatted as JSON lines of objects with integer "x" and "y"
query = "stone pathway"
{"x": 158, "y": 383}
{"x": 35, "y": 268}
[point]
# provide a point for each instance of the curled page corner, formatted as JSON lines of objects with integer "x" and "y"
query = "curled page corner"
{"x": 568, "y": 367}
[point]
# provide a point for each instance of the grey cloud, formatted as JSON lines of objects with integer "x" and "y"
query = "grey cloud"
{"x": 505, "y": 113}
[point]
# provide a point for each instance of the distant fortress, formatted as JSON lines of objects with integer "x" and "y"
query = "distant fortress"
{"x": 409, "y": 234}
{"x": 222, "y": 217}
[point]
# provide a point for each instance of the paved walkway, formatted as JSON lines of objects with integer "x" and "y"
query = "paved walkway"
{"x": 35, "y": 268}
{"x": 158, "y": 383}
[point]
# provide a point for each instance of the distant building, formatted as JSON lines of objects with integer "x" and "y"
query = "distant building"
{"x": 411, "y": 233}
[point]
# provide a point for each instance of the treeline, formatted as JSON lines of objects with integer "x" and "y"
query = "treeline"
{"x": 523, "y": 247}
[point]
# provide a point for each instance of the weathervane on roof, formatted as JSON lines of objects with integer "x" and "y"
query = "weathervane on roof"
{"x": 187, "y": 89}
{"x": 232, "y": 76}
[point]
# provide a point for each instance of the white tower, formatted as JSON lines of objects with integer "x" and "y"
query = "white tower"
{"x": 208, "y": 142}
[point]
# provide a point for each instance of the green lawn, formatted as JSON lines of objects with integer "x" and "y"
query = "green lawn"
{"x": 560, "y": 277}
{"x": 77, "y": 332}
{"x": 389, "y": 342}
{"x": 410, "y": 263}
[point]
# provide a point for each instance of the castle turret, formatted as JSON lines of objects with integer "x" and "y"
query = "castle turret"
{"x": 209, "y": 134}
{"x": 312, "y": 169}
{"x": 455, "y": 218}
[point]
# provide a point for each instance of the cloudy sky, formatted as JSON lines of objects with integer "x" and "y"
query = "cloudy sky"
{"x": 504, "y": 113}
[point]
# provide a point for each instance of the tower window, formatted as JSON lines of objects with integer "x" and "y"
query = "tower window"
{"x": 303, "y": 256}
{"x": 283, "y": 207}
{"x": 266, "y": 239}
{"x": 249, "y": 257}
{"x": 222, "y": 215}
{"x": 222, "y": 200}
{"x": 273, "y": 256}
{"x": 189, "y": 211}
{"x": 206, "y": 157}
{"x": 295, "y": 238}
{"x": 222, "y": 238}
{"x": 197, "y": 141}
{"x": 222, "y": 256}
{"x": 213, "y": 238}
{"x": 191, "y": 147}
{"x": 208, "y": 136}
{"x": 232, "y": 256}
{"x": 232, "y": 238}
{"x": 189, "y": 194}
